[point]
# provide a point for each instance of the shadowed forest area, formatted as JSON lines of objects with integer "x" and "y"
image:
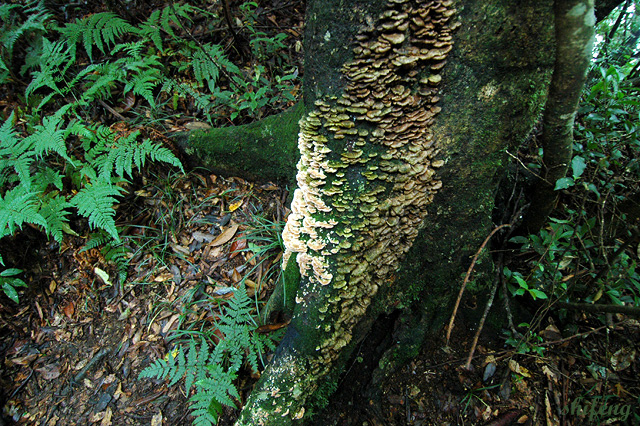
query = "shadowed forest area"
{"x": 144, "y": 283}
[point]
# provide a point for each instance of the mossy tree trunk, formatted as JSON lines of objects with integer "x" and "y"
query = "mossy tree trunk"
{"x": 410, "y": 108}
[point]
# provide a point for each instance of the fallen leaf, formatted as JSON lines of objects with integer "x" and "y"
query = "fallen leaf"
{"x": 49, "y": 371}
{"x": 517, "y": 368}
{"x": 235, "y": 206}
{"x": 238, "y": 246}
{"x": 24, "y": 360}
{"x": 225, "y": 236}
{"x": 203, "y": 237}
{"x": 180, "y": 249}
{"x": 156, "y": 420}
{"x": 106, "y": 420}
{"x": 197, "y": 125}
{"x": 623, "y": 358}
{"x": 103, "y": 275}
{"x": 166, "y": 276}
{"x": 69, "y": 309}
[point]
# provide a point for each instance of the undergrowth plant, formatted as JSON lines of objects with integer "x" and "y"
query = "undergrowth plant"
{"x": 210, "y": 368}
{"x": 587, "y": 252}
{"x": 54, "y": 162}
{"x": 584, "y": 254}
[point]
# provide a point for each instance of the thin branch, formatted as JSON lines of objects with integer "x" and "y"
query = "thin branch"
{"x": 487, "y": 308}
{"x": 466, "y": 278}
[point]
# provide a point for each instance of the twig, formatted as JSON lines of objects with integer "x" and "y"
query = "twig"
{"x": 227, "y": 18}
{"x": 487, "y": 308}
{"x": 466, "y": 278}
{"x": 111, "y": 110}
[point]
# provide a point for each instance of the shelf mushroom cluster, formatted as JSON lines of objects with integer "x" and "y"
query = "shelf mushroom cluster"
{"x": 368, "y": 163}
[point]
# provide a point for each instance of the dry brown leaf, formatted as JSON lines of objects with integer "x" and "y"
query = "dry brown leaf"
{"x": 69, "y": 309}
{"x": 49, "y": 371}
{"x": 225, "y": 236}
{"x": 622, "y": 359}
{"x": 156, "y": 420}
{"x": 517, "y": 368}
{"x": 24, "y": 360}
{"x": 169, "y": 323}
{"x": 106, "y": 420}
{"x": 166, "y": 276}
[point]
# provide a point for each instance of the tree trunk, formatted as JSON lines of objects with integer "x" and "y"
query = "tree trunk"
{"x": 574, "y": 21}
{"x": 400, "y": 159}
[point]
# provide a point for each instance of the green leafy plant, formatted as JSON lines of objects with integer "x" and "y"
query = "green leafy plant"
{"x": 212, "y": 369}
{"x": 529, "y": 342}
{"x": 9, "y": 282}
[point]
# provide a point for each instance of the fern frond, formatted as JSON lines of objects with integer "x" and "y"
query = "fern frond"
{"x": 192, "y": 358}
{"x": 95, "y": 201}
{"x": 204, "y": 65}
{"x": 37, "y": 17}
{"x": 47, "y": 176}
{"x": 49, "y": 137}
{"x": 96, "y": 239}
{"x": 126, "y": 152}
{"x": 100, "y": 82}
{"x": 56, "y": 58}
{"x": 18, "y": 206}
{"x": 117, "y": 253}
{"x": 53, "y": 209}
{"x": 100, "y": 30}
{"x": 218, "y": 387}
{"x": 143, "y": 84}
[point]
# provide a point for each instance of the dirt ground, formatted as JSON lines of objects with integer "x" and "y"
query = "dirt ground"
{"x": 73, "y": 348}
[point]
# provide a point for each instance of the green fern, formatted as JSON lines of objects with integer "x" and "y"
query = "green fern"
{"x": 18, "y": 206}
{"x": 49, "y": 137}
{"x": 125, "y": 153}
{"x": 37, "y": 18}
{"x": 213, "y": 371}
{"x": 54, "y": 211}
{"x": 163, "y": 21}
{"x": 95, "y": 201}
{"x": 206, "y": 64}
{"x": 55, "y": 59}
{"x": 99, "y": 30}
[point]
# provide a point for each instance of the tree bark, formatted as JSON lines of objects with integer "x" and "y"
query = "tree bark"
{"x": 574, "y": 27}
{"x": 400, "y": 159}
{"x": 261, "y": 151}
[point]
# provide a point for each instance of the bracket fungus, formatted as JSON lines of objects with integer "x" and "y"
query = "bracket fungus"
{"x": 367, "y": 167}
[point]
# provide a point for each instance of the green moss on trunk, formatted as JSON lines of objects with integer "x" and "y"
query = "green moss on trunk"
{"x": 261, "y": 151}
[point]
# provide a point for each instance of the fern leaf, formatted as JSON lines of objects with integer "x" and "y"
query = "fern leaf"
{"x": 19, "y": 206}
{"x": 96, "y": 239}
{"x": 192, "y": 361}
{"x": 49, "y": 137}
{"x": 100, "y": 29}
{"x": 101, "y": 81}
{"x": 12, "y": 153}
{"x": 55, "y": 59}
{"x": 143, "y": 84}
{"x": 95, "y": 201}
{"x": 127, "y": 152}
{"x": 36, "y": 20}
{"x": 53, "y": 209}
{"x": 116, "y": 253}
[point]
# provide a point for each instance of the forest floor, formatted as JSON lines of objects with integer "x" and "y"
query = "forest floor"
{"x": 73, "y": 348}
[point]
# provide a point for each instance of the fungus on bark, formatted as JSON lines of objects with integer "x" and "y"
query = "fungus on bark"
{"x": 369, "y": 155}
